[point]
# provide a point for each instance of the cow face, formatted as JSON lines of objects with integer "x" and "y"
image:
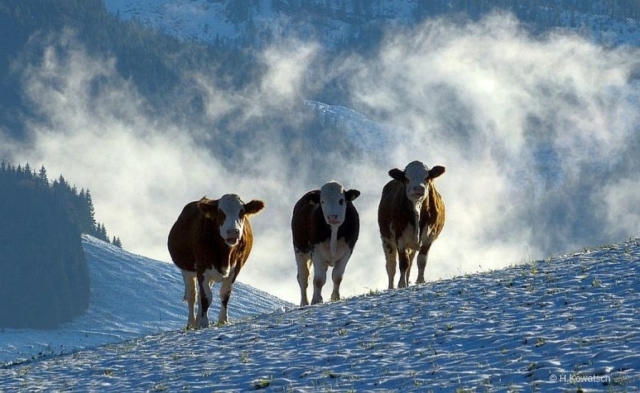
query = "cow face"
{"x": 229, "y": 214}
{"x": 333, "y": 200}
{"x": 416, "y": 177}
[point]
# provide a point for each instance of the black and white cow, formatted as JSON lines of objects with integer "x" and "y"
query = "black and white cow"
{"x": 325, "y": 228}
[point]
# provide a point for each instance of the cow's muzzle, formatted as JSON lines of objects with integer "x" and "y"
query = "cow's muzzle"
{"x": 333, "y": 220}
{"x": 232, "y": 241}
{"x": 233, "y": 237}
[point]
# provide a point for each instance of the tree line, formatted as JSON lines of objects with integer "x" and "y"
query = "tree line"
{"x": 44, "y": 276}
{"x": 78, "y": 205}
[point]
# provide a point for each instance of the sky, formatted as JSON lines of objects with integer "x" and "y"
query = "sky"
{"x": 538, "y": 136}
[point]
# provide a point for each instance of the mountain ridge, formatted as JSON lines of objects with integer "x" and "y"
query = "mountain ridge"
{"x": 335, "y": 23}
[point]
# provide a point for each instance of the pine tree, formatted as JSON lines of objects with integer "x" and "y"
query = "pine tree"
{"x": 116, "y": 242}
{"x": 42, "y": 175}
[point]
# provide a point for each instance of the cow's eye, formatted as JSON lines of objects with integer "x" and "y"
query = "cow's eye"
{"x": 242, "y": 213}
{"x": 221, "y": 215}
{"x": 341, "y": 201}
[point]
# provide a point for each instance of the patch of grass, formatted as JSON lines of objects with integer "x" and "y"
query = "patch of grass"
{"x": 261, "y": 383}
{"x": 159, "y": 387}
{"x": 373, "y": 291}
{"x": 23, "y": 371}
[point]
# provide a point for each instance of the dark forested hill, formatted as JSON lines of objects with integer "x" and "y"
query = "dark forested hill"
{"x": 357, "y": 25}
{"x": 157, "y": 64}
{"x": 44, "y": 278}
{"x": 154, "y": 62}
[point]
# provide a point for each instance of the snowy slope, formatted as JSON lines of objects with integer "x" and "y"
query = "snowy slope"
{"x": 131, "y": 296}
{"x": 568, "y": 323}
{"x": 233, "y": 21}
{"x": 332, "y": 21}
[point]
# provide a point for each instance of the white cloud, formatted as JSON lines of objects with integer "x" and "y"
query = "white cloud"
{"x": 525, "y": 126}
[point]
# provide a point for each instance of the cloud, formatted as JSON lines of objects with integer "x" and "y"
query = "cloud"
{"x": 529, "y": 128}
{"x": 538, "y": 136}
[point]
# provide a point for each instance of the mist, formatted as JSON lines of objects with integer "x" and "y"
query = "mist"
{"x": 539, "y": 137}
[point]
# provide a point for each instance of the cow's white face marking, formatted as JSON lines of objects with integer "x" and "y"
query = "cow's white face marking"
{"x": 231, "y": 213}
{"x": 334, "y": 203}
{"x": 416, "y": 181}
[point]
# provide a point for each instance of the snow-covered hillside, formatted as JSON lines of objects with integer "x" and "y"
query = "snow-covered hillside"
{"x": 564, "y": 324}
{"x": 337, "y": 21}
{"x": 131, "y": 296}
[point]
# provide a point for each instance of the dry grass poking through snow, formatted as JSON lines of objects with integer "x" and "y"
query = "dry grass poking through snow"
{"x": 569, "y": 323}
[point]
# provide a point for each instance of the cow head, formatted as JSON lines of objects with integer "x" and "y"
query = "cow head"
{"x": 229, "y": 213}
{"x": 333, "y": 200}
{"x": 416, "y": 177}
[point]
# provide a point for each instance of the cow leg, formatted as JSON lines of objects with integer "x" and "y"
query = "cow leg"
{"x": 422, "y": 262}
{"x": 304, "y": 264}
{"x": 190, "y": 296}
{"x": 225, "y": 295}
{"x": 336, "y": 275}
{"x": 390, "y": 254}
{"x": 319, "y": 278}
{"x": 412, "y": 255}
{"x": 205, "y": 297}
{"x": 405, "y": 267}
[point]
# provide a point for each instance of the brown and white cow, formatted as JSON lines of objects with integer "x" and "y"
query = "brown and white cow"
{"x": 210, "y": 242}
{"x": 325, "y": 228}
{"x": 410, "y": 216}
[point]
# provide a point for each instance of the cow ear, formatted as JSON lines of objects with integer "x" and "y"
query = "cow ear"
{"x": 208, "y": 206}
{"x": 352, "y": 194}
{"x": 254, "y": 206}
{"x": 397, "y": 174}
{"x": 313, "y": 197}
{"x": 436, "y": 171}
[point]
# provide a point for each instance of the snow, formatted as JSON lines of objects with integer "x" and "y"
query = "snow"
{"x": 208, "y": 21}
{"x": 562, "y": 324}
{"x": 131, "y": 296}
{"x": 371, "y": 137}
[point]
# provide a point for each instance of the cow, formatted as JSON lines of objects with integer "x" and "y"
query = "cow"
{"x": 210, "y": 242}
{"x": 410, "y": 217}
{"x": 325, "y": 226}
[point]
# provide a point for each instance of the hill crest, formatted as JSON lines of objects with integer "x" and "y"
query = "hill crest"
{"x": 131, "y": 296}
{"x": 568, "y": 322}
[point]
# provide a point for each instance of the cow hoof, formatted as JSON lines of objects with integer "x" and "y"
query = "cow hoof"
{"x": 203, "y": 323}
